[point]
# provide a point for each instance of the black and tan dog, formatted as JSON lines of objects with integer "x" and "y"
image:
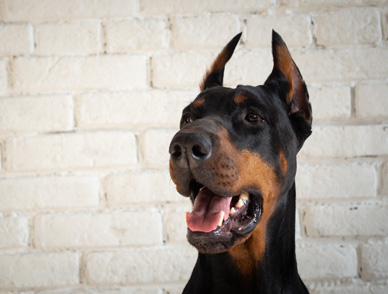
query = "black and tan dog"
{"x": 235, "y": 157}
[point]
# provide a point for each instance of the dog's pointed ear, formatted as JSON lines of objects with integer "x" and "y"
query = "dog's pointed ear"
{"x": 215, "y": 75}
{"x": 288, "y": 82}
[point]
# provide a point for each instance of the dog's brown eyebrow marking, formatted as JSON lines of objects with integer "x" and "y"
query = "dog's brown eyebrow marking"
{"x": 283, "y": 163}
{"x": 197, "y": 103}
{"x": 240, "y": 98}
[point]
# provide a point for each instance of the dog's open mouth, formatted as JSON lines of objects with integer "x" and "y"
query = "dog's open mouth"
{"x": 217, "y": 222}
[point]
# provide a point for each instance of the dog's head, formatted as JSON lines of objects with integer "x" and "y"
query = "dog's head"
{"x": 235, "y": 153}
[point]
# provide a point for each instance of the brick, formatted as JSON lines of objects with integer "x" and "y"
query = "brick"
{"x": 137, "y": 35}
{"x": 80, "y": 73}
{"x": 180, "y": 70}
{"x": 154, "y": 147}
{"x": 15, "y": 39}
{"x": 347, "y": 141}
{"x": 3, "y": 75}
{"x": 95, "y": 230}
{"x": 39, "y": 270}
{"x": 329, "y": 261}
{"x": 13, "y": 232}
{"x": 385, "y": 23}
{"x": 224, "y": 27}
{"x": 352, "y": 287}
{"x": 163, "y": 7}
{"x": 294, "y": 28}
{"x": 140, "y": 265}
{"x": 330, "y": 103}
{"x": 71, "y": 151}
{"x": 346, "y": 219}
{"x": 36, "y": 114}
{"x": 347, "y": 180}
{"x": 144, "y": 187}
{"x": 329, "y": 3}
{"x": 174, "y": 222}
{"x": 384, "y": 177}
{"x": 186, "y": 70}
{"x": 46, "y": 10}
{"x": 132, "y": 109}
{"x": 79, "y": 37}
{"x": 248, "y": 67}
{"x": 122, "y": 290}
{"x": 346, "y": 64}
{"x": 347, "y": 26}
{"x": 371, "y": 101}
{"x": 48, "y": 193}
{"x": 374, "y": 263}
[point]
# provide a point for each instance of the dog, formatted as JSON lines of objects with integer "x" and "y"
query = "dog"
{"x": 235, "y": 157}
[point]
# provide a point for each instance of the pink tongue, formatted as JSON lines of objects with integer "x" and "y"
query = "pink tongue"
{"x": 206, "y": 212}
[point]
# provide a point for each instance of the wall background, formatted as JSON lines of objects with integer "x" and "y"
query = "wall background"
{"x": 91, "y": 94}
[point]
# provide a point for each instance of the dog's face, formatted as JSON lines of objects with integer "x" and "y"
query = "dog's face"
{"x": 235, "y": 153}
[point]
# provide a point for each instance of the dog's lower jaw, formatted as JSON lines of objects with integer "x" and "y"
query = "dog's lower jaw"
{"x": 218, "y": 273}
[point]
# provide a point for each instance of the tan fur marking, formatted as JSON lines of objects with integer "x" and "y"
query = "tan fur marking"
{"x": 240, "y": 98}
{"x": 197, "y": 103}
{"x": 286, "y": 65}
{"x": 217, "y": 66}
{"x": 253, "y": 172}
{"x": 283, "y": 163}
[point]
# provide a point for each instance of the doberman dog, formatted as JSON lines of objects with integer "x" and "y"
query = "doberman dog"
{"x": 235, "y": 157}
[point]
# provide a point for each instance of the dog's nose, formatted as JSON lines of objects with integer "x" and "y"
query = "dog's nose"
{"x": 190, "y": 149}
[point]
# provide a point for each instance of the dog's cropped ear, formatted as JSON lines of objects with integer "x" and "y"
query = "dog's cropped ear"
{"x": 288, "y": 82}
{"x": 215, "y": 75}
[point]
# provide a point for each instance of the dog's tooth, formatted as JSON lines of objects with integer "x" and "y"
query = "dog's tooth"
{"x": 240, "y": 203}
{"x": 232, "y": 211}
{"x": 244, "y": 196}
{"x": 221, "y": 218}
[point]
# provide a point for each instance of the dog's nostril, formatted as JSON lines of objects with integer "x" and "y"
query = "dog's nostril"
{"x": 199, "y": 151}
{"x": 176, "y": 151}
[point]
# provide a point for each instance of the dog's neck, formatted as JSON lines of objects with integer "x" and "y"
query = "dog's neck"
{"x": 276, "y": 271}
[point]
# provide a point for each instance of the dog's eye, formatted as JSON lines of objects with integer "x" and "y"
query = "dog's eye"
{"x": 253, "y": 117}
{"x": 187, "y": 119}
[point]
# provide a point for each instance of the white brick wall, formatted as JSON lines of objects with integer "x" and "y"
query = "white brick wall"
{"x": 91, "y": 93}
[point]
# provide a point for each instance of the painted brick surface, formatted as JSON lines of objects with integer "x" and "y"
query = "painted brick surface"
{"x": 351, "y": 141}
{"x": 24, "y": 10}
{"x": 3, "y": 75}
{"x": 13, "y": 232}
{"x": 139, "y": 266}
{"x": 146, "y": 187}
{"x": 371, "y": 101}
{"x": 330, "y": 261}
{"x": 71, "y": 151}
{"x": 15, "y": 39}
{"x": 295, "y": 27}
{"x": 81, "y": 37}
{"x": 80, "y": 73}
{"x": 132, "y": 109}
{"x": 346, "y": 180}
{"x": 357, "y": 26}
{"x": 46, "y": 114}
{"x": 155, "y": 145}
{"x": 40, "y": 193}
{"x": 39, "y": 270}
{"x": 349, "y": 219}
{"x": 85, "y": 230}
{"x": 223, "y": 26}
{"x": 331, "y": 103}
{"x": 137, "y": 35}
{"x": 374, "y": 261}
{"x": 91, "y": 93}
